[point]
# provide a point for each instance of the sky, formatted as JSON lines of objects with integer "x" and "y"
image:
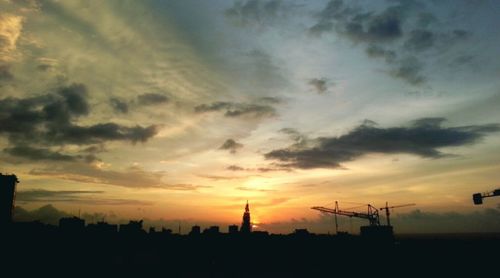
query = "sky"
{"x": 181, "y": 111}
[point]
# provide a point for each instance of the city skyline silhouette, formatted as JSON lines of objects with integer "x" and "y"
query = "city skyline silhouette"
{"x": 249, "y": 138}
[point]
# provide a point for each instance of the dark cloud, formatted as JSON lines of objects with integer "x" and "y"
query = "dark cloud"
{"x": 375, "y": 51}
{"x": 424, "y": 19}
{"x": 75, "y": 99}
{"x": 270, "y": 100}
{"x": 300, "y": 139}
{"x": 49, "y": 214}
{"x": 237, "y": 168}
{"x": 119, "y": 105}
{"x": 41, "y": 195}
{"x": 37, "y": 154}
{"x": 44, "y": 67}
{"x": 231, "y": 145}
{"x": 409, "y": 70}
{"x": 360, "y": 26}
{"x": 418, "y": 221}
{"x": 99, "y": 133}
{"x": 423, "y": 138}
{"x": 394, "y": 33}
{"x": 320, "y": 85}
{"x": 255, "y": 12}
{"x": 420, "y": 40}
{"x": 460, "y": 34}
{"x": 50, "y": 119}
{"x": 152, "y": 99}
{"x": 45, "y": 214}
{"x": 235, "y": 109}
{"x": 5, "y": 73}
{"x": 462, "y": 60}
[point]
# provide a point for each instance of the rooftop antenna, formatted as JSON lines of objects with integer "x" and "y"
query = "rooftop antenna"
{"x": 336, "y": 223}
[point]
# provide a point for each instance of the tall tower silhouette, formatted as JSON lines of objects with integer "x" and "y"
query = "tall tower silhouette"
{"x": 246, "y": 226}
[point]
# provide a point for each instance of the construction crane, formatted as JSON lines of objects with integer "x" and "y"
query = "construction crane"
{"x": 478, "y": 197}
{"x": 387, "y": 209}
{"x": 371, "y": 214}
{"x": 374, "y": 230}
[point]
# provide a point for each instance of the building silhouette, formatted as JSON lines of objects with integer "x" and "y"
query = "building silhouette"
{"x": 246, "y": 226}
{"x": 232, "y": 229}
{"x": 212, "y": 230}
{"x": 71, "y": 224}
{"x": 102, "y": 228}
{"x": 132, "y": 228}
{"x": 195, "y": 230}
{"x": 7, "y": 197}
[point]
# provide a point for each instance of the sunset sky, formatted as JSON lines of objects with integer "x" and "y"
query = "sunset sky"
{"x": 186, "y": 109}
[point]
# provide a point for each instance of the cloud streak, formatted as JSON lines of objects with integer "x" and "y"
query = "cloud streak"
{"x": 152, "y": 99}
{"x": 134, "y": 177}
{"x": 236, "y": 109}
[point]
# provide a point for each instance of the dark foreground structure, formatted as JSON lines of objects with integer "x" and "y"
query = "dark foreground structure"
{"x": 100, "y": 250}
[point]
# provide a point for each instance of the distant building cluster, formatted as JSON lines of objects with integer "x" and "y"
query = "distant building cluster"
{"x": 76, "y": 225}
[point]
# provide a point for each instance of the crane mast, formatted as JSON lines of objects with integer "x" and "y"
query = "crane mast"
{"x": 387, "y": 209}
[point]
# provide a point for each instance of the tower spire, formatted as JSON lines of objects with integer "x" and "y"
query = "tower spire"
{"x": 246, "y": 226}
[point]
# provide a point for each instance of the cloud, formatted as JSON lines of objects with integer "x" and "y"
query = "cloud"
{"x": 394, "y": 33}
{"x": 45, "y": 214}
{"x": 41, "y": 195}
{"x": 100, "y": 133}
{"x": 87, "y": 197}
{"x": 420, "y": 40}
{"x": 231, "y": 145}
{"x": 5, "y": 73}
{"x": 152, "y": 99}
{"x": 418, "y": 221}
{"x": 217, "y": 177}
{"x": 255, "y": 12}
{"x": 49, "y": 119}
{"x": 37, "y": 154}
{"x": 320, "y": 85}
{"x": 244, "y": 188}
{"x": 422, "y": 138}
{"x": 119, "y": 105}
{"x": 375, "y": 51}
{"x": 359, "y": 26}
{"x": 235, "y": 109}
{"x": 409, "y": 70}
{"x": 270, "y": 100}
{"x": 133, "y": 177}
{"x": 10, "y": 30}
{"x": 237, "y": 168}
